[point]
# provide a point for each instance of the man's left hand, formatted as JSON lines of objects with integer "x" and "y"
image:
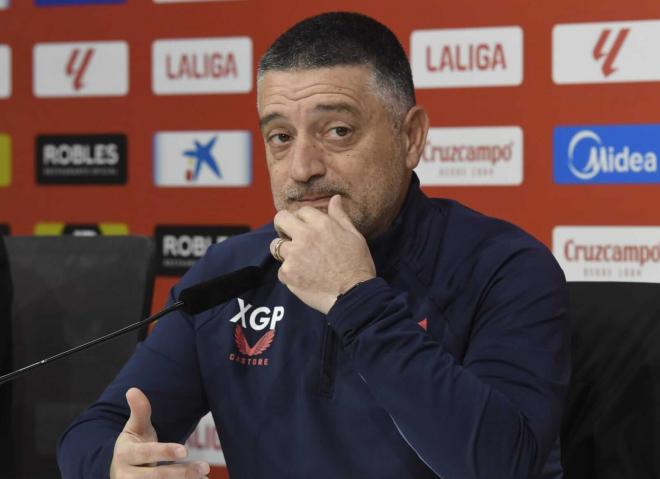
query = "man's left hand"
{"x": 324, "y": 255}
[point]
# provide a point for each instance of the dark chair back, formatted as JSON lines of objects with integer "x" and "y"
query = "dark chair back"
{"x": 69, "y": 290}
{"x": 611, "y": 428}
{"x": 6, "y": 449}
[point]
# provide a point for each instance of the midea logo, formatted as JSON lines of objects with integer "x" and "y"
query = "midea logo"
{"x": 607, "y": 159}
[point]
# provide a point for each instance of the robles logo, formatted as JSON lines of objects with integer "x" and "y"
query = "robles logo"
{"x": 179, "y": 246}
{"x": 81, "y": 159}
{"x": 612, "y": 154}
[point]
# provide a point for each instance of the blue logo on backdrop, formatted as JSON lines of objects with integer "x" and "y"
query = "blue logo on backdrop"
{"x": 606, "y": 154}
{"x": 53, "y": 3}
{"x": 203, "y": 156}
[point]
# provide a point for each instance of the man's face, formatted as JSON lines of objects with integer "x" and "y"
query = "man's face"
{"x": 326, "y": 132}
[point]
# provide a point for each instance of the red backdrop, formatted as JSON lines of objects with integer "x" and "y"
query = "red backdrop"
{"x": 537, "y": 106}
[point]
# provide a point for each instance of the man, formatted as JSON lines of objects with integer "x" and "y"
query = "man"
{"x": 393, "y": 336}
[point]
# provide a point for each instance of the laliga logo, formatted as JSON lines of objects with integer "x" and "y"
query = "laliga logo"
{"x": 611, "y": 55}
{"x": 76, "y": 68}
{"x": 259, "y": 319}
{"x": 605, "y": 159}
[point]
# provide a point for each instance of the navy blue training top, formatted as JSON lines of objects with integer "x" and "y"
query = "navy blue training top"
{"x": 452, "y": 363}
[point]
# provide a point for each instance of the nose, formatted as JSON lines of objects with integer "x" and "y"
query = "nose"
{"x": 307, "y": 160}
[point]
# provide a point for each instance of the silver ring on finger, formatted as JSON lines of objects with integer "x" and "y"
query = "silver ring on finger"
{"x": 276, "y": 250}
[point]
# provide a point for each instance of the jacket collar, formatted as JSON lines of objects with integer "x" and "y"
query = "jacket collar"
{"x": 408, "y": 236}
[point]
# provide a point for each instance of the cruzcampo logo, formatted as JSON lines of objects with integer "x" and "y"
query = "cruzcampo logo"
{"x": 5, "y": 160}
{"x": 88, "y": 229}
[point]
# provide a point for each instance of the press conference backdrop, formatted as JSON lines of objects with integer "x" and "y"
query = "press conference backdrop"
{"x": 138, "y": 116}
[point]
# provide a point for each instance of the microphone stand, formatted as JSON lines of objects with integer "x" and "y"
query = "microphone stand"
{"x": 131, "y": 327}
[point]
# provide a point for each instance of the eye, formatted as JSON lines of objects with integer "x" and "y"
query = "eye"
{"x": 340, "y": 131}
{"x": 279, "y": 138}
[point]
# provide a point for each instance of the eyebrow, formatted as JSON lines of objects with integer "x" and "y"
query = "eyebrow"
{"x": 264, "y": 120}
{"x": 336, "y": 107}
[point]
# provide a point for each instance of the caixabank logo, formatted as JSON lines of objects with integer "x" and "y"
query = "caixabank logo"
{"x": 80, "y": 229}
{"x": 179, "y": 247}
{"x": 81, "y": 159}
{"x": 203, "y": 158}
{"x": 593, "y": 154}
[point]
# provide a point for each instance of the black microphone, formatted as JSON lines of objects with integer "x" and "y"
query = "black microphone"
{"x": 192, "y": 300}
{"x": 213, "y": 292}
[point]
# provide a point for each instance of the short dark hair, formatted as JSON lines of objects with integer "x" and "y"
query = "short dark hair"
{"x": 344, "y": 38}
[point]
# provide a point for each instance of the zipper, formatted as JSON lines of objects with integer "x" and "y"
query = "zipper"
{"x": 328, "y": 362}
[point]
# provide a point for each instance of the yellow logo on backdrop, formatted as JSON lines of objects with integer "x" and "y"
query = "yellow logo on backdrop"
{"x": 5, "y": 160}
{"x": 59, "y": 229}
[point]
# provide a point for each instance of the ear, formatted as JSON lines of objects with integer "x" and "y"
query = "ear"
{"x": 414, "y": 128}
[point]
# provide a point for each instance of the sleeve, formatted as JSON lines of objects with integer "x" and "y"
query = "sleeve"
{"x": 495, "y": 414}
{"x": 166, "y": 369}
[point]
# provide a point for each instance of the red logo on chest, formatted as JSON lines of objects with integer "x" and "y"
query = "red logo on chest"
{"x": 254, "y": 319}
{"x": 259, "y": 347}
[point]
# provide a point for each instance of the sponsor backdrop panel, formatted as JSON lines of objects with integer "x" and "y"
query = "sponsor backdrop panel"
{"x": 138, "y": 117}
{"x": 608, "y": 253}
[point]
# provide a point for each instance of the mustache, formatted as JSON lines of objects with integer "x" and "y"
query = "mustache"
{"x": 300, "y": 191}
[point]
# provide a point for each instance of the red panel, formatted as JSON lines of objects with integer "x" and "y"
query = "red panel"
{"x": 538, "y": 105}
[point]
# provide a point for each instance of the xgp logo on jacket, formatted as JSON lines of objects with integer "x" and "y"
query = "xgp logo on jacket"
{"x": 258, "y": 324}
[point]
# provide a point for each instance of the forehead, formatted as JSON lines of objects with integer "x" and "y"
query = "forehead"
{"x": 296, "y": 90}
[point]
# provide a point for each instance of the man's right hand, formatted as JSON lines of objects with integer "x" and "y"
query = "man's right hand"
{"x": 137, "y": 450}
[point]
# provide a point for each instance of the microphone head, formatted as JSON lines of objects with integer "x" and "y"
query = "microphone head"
{"x": 213, "y": 292}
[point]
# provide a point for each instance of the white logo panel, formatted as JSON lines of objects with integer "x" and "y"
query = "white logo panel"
{"x": 472, "y": 156}
{"x": 204, "y": 445}
{"x": 608, "y": 253}
{"x": 203, "y": 158}
{"x": 606, "y": 52}
{"x": 209, "y": 65}
{"x": 194, "y": 1}
{"x": 5, "y": 71}
{"x": 80, "y": 69}
{"x": 467, "y": 57}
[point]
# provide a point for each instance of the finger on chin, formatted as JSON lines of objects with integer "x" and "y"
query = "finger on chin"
{"x": 287, "y": 224}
